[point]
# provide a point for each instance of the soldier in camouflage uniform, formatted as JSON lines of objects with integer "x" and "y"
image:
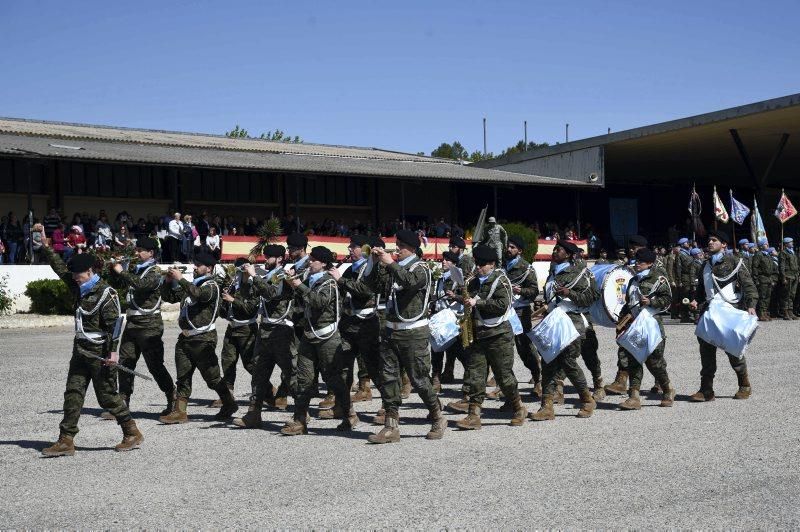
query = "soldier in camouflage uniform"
{"x": 197, "y": 342}
{"x": 648, "y": 291}
{"x": 572, "y": 288}
{"x": 144, "y": 329}
{"x": 761, "y": 270}
{"x": 788, "y": 272}
{"x": 464, "y": 261}
{"x": 444, "y": 297}
{"x": 725, "y": 269}
{"x": 744, "y": 253}
{"x": 490, "y": 297}
{"x": 276, "y": 344}
{"x": 683, "y": 273}
{"x": 97, "y": 310}
{"x": 406, "y": 342}
{"x": 239, "y": 306}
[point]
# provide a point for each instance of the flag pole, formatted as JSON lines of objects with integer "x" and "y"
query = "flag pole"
{"x": 733, "y": 225}
{"x": 694, "y": 234}
{"x": 782, "y": 193}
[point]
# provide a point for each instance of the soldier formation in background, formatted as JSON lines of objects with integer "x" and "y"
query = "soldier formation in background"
{"x": 371, "y": 323}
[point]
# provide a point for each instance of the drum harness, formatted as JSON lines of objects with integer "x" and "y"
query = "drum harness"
{"x": 517, "y": 301}
{"x": 413, "y": 322}
{"x": 496, "y": 322}
{"x": 714, "y": 288}
{"x": 328, "y": 331}
{"x": 362, "y": 313}
{"x": 262, "y": 307}
{"x": 138, "y": 311}
{"x": 188, "y": 302}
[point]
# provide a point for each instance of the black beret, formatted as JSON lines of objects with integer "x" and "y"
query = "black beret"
{"x": 517, "y": 241}
{"x": 81, "y": 263}
{"x": 568, "y": 246}
{"x": 274, "y": 250}
{"x": 297, "y": 240}
{"x": 205, "y": 259}
{"x": 240, "y": 261}
{"x": 376, "y": 242}
{"x": 356, "y": 241}
{"x": 147, "y": 243}
{"x": 458, "y": 242}
{"x": 637, "y": 240}
{"x": 449, "y": 255}
{"x": 322, "y": 254}
{"x": 645, "y": 255}
{"x": 409, "y": 238}
{"x": 722, "y": 236}
{"x": 484, "y": 254}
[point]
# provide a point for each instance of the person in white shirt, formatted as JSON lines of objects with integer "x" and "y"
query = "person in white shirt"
{"x": 174, "y": 237}
{"x": 213, "y": 242}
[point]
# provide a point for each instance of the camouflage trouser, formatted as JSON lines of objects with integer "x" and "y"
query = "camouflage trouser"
{"x": 496, "y": 352}
{"x": 525, "y": 348}
{"x": 276, "y": 345}
{"x": 589, "y": 346}
{"x": 238, "y": 341}
{"x": 360, "y": 342}
{"x": 196, "y": 352}
{"x": 565, "y": 365}
{"x": 407, "y": 350}
{"x": 764, "y": 297}
{"x": 146, "y": 343}
{"x": 708, "y": 362}
{"x": 656, "y": 363}
{"x": 453, "y": 353}
{"x": 103, "y": 378}
{"x": 786, "y": 293}
{"x": 323, "y": 357}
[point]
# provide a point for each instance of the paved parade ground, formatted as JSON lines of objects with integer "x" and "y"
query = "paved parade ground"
{"x": 726, "y": 464}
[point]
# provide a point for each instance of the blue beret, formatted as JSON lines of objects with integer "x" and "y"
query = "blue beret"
{"x": 762, "y": 240}
{"x": 682, "y": 241}
{"x": 743, "y": 242}
{"x": 787, "y": 240}
{"x": 695, "y": 251}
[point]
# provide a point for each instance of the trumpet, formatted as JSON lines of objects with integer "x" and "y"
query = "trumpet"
{"x": 261, "y": 272}
{"x": 124, "y": 260}
{"x": 180, "y": 267}
{"x": 366, "y": 249}
{"x": 283, "y": 275}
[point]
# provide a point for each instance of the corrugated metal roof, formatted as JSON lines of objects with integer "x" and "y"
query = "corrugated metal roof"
{"x": 100, "y": 143}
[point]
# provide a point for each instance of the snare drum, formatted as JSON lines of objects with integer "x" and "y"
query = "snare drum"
{"x": 553, "y": 334}
{"x": 727, "y": 327}
{"x": 612, "y": 282}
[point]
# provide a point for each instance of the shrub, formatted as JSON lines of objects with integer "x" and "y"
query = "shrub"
{"x": 6, "y": 299}
{"x": 49, "y": 296}
{"x": 528, "y": 235}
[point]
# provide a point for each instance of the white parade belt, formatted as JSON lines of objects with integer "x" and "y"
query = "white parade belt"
{"x": 325, "y": 331}
{"x": 402, "y": 326}
{"x": 133, "y": 312}
{"x": 201, "y": 330}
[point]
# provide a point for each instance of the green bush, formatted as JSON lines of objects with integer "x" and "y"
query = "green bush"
{"x": 528, "y": 235}
{"x": 6, "y": 299}
{"x": 49, "y": 296}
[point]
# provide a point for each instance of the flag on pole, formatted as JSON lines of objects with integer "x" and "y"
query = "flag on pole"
{"x": 785, "y": 209}
{"x": 719, "y": 208}
{"x": 739, "y": 211}
{"x": 756, "y": 224}
{"x": 695, "y": 209}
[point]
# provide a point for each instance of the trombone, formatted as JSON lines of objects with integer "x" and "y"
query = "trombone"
{"x": 366, "y": 249}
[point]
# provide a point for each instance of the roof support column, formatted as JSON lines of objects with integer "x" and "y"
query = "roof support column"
{"x": 403, "y": 203}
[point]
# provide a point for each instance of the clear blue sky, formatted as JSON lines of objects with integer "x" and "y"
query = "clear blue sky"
{"x": 398, "y": 75}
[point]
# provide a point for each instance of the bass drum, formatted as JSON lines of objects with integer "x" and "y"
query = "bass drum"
{"x": 612, "y": 283}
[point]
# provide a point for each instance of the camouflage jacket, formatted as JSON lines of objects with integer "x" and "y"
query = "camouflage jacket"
{"x": 761, "y": 268}
{"x": 788, "y": 265}
{"x": 683, "y": 269}
{"x": 581, "y": 295}
{"x": 493, "y": 301}
{"x": 276, "y": 301}
{"x": 243, "y": 310}
{"x": 320, "y": 304}
{"x": 357, "y": 297}
{"x": 723, "y": 269}
{"x": 660, "y": 300}
{"x": 523, "y": 275}
{"x": 408, "y": 289}
{"x": 199, "y": 305}
{"x": 143, "y": 307}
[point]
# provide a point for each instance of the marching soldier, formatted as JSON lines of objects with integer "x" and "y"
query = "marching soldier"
{"x": 406, "y": 344}
{"x": 444, "y": 298}
{"x": 525, "y": 288}
{"x": 197, "y": 341}
{"x": 145, "y": 328}
{"x": 649, "y": 289}
{"x": 725, "y": 271}
{"x": 240, "y": 305}
{"x": 490, "y": 298}
{"x": 571, "y": 288}
{"x": 277, "y": 343}
{"x": 761, "y": 270}
{"x": 94, "y": 353}
{"x": 457, "y": 246}
{"x": 788, "y": 270}
{"x": 320, "y": 348}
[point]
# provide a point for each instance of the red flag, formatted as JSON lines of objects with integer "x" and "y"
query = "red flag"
{"x": 785, "y": 210}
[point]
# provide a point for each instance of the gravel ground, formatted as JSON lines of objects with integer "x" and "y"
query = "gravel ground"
{"x": 726, "y": 464}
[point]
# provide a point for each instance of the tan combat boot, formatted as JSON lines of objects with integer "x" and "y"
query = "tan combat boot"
{"x": 461, "y": 406}
{"x": 131, "y": 437}
{"x": 439, "y": 423}
{"x": 298, "y": 426}
{"x": 333, "y": 413}
{"x": 497, "y": 393}
{"x": 281, "y": 403}
{"x": 705, "y": 393}
{"x": 546, "y": 412}
{"x": 633, "y": 402}
{"x": 229, "y": 406}
{"x": 436, "y": 383}
{"x": 390, "y": 433}
{"x": 363, "y": 393}
{"x": 327, "y": 402}
{"x": 536, "y": 393}
{"x": 178, "y": 414}
{"x": 558, "y": 397}
{"x": 520, "y": 412}
{"x": 744, "y": 387}
{"x": 405, "y": 389}
{"x": 252, "y": 419}
{"x": 668, "y": 399}
{"x": 599, "y": 392}
{"x": 656, "y": 388}
{"x": 473, "y": 419}
{"x": 620, "y": 384}
{"x": 63, "y": 447}
{"x": 587, "y": 405}
{"x": 380, "y": 417}
{"x": 349, "y": 422}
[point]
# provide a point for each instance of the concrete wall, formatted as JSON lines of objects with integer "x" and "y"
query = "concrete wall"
{"x": 19, "y": 204}
{"x": 575, "y": 165}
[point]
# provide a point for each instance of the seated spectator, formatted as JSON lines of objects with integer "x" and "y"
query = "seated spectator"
{"x": 122, "y": 239}
{"x": 103, "y": 236}
{"x": 76, "y": 242}
{"x": 58, "y": 240}
{"x": 213, "y": 243}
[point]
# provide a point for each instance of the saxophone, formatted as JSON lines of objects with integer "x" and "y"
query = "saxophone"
{"x": 466, "y": 324}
